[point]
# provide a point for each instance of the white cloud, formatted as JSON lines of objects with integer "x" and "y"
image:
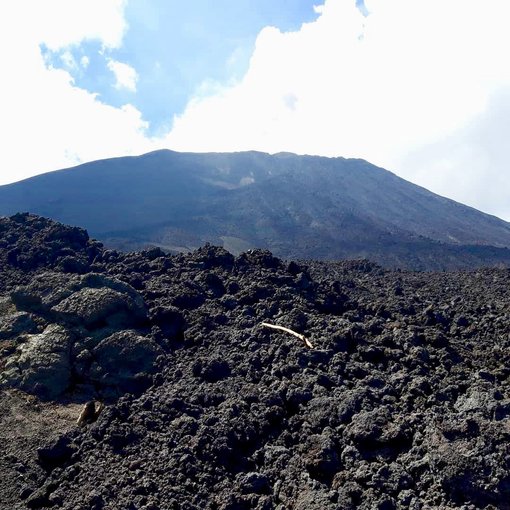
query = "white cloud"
{"x": 60, "y": 23}
{"x": 412, "y": 74}
{"x": 420, "y": 87}
{"x": 125, "y": 75}
{"x": 47, "y": 122}
{"x": 84, "y": 61}
{"x": 68, "y": 60}
{"x": 472, "y": 161}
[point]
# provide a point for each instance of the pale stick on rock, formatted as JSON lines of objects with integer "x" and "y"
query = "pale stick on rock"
{"x": 287, "y": 330}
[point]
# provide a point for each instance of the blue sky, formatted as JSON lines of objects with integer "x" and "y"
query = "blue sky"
{"x": 419, "y": 87}
{"x": 177, "y": 49}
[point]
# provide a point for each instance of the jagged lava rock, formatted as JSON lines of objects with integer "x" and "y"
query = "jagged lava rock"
{"x": 41, "y": 364}
{"x": 402, "y": 403}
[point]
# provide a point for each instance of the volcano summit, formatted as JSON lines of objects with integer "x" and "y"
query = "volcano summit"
{"x": 299, "y": 207}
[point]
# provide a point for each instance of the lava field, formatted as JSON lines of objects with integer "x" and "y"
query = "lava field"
{"x": 401, "y": 402}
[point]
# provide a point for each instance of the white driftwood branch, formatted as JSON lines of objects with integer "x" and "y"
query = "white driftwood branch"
{"x": 287, "y": 330}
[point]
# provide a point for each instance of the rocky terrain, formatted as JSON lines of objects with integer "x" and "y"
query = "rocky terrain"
{"x": 298, "y": 207}
{"x": 401, "y": 402}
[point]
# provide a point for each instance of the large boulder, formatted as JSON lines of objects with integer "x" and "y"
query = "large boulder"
{"x": 12, "y": 322}
{"x": 92, "y": 307}
{"x": 41, "y": 364}
{"x": 124, "y": 362}
{"x": 44, "y": 291}
{"x": 87, "y": 336}
{"x": 90, "y": 300}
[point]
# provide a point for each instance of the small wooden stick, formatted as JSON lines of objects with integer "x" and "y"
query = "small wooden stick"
{"x": 287, "y": 330}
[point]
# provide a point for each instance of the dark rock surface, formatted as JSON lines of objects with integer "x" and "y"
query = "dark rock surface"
{"x": 404, "y": 401}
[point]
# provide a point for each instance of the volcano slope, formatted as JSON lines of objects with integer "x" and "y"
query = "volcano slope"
{"x": 403, "y": 401}
{"x": 299, "y": 207}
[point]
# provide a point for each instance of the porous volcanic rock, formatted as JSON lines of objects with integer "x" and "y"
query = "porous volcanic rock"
{"x": 124, "y": 360}
{"x": 84, "y": 338}
{"x": 403, "y": 401}
{"x": 41, "y": 363}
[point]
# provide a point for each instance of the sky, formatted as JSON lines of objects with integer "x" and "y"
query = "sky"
{"x": 419, "y": 87}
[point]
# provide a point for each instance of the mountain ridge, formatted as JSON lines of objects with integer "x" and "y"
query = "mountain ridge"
{"x": 296, "y": 206}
